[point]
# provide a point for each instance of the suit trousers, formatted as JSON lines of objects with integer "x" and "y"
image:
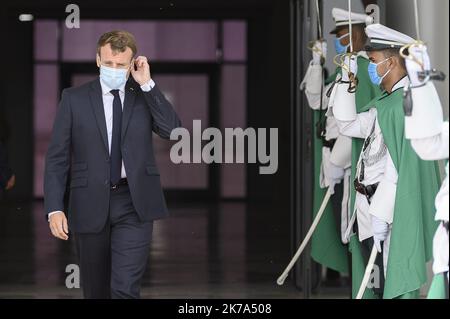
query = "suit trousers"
{"x": 113, "y": 261}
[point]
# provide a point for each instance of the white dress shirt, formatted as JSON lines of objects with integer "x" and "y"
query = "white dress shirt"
{"x": 108, "y": 99}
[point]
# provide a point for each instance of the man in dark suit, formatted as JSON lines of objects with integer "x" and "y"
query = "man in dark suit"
{"x": 102, "y": 138}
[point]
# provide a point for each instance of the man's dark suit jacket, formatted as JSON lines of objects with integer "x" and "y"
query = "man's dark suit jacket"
{"x": 79, "y": 149}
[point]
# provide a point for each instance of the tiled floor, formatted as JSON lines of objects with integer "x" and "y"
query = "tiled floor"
{"x": 226, "y": 250}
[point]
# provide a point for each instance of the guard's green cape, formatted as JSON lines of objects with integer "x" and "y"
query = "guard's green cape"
{"x": 326, "y": 246}
{"x": 437, "y": 289}
{"x": 417, "y": 185}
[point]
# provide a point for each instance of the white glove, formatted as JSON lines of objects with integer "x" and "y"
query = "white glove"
{"x": 319, "y": 50}
{"x": 352, "y": 64}
{"x": 440, "y": 250}
{"x": 332, "y": 174}
{"x": 333, "y": 182}
{"x": 380, "y": 231}
{"x": 419, "y": 53}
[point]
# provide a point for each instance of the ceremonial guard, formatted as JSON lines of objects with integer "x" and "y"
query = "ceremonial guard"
{"x": 333, "y": 151}
{"x": 429, "y": 135}
{"x": 395, "y": 188}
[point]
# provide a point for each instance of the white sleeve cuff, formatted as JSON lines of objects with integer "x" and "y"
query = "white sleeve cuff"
{"x": 52, "y": 213}
{"x": 344, "y": 103}
{"x": 383, "y": 201}
{"x": 148, "y": 86}
{"x": 341, "y": 155}
{"x": 313, "y": 79}
{"x": 427, "y": 115}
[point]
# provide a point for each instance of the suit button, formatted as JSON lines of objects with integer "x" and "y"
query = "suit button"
{"x": 106, "y": 182}
{"x": 108, "y": 160}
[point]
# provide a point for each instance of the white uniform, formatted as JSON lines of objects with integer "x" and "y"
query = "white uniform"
{"x": 331, "y": 172}
{"x": 312, "y": 92}
{"x": 378, "y": 168}
{"x": 429, "y": 136}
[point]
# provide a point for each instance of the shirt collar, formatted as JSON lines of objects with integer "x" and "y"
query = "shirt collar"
{"x": 400, "y": 84}
{"x": 403, "y": 82}
{"x": 107, "y": 90}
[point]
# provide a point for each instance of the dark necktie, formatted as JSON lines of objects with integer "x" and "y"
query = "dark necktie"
{"x": 116, "y": 153}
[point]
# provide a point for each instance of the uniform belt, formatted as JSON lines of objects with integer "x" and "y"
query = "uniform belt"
{"x": 122, "y": 182}
{"x": 328, "y": 143}
{"x": 367, "y": 191}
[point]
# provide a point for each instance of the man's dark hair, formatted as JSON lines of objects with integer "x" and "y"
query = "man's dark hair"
{"x": 389, "y": 53}
{"x": 119, "y": 40}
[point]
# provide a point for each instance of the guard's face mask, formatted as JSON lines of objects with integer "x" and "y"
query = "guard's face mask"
{"x": 339, "y": 47}
{"x": 373, "y": 73}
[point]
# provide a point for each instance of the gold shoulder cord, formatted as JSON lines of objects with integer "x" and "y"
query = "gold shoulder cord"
{"x": 339, "y": 60}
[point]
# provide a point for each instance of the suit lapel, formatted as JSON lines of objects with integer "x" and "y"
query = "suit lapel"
{"x": 97, "y": 106}
{"x": 130, "y": 95}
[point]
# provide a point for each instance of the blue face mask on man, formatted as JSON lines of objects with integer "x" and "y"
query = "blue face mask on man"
{"x": 112, "y": 77}
{"x": 340, "y": 49}
{"x": 373, "y": 73}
